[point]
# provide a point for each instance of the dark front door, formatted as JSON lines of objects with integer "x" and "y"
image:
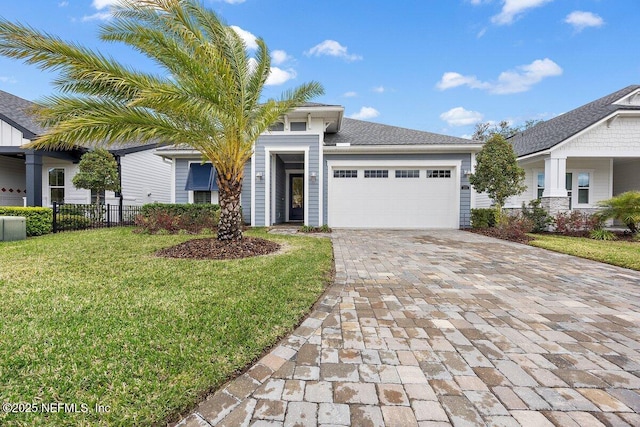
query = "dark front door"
{"x": 296, "y": 197}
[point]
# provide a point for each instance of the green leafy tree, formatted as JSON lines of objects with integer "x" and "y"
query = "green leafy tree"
{"x": 497, "y": 171}
{"x": 624, "y": 207}
{"x": 485, "y": 130}
{"x": 97, "y": 171}
{"x": 207, "y": 93}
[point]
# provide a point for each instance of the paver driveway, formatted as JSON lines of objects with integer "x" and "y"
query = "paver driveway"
{"x": 447, "y": 327}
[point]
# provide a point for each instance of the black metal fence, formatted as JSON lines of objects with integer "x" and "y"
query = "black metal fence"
{"x": 69, "y": 217}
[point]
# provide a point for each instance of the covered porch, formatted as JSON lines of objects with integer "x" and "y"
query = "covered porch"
{"x": 287, "y": 189}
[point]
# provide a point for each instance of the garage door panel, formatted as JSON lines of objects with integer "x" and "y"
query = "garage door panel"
{"x": 393, "y": 202}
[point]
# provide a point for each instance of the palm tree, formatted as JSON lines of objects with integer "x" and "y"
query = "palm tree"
{"x": 208, "y": 95}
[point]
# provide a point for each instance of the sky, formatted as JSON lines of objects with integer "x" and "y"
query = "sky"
{"x": 435, "y": 65}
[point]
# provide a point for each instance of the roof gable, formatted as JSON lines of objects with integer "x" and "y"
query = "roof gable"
{"x": 15, "y": 111}
{"x": 552, "y": 132}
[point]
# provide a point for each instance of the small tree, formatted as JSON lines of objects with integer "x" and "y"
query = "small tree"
{"x": 497, "y": 171}
{"x": 98, "y": 171}
{"x": 624, "y": 207}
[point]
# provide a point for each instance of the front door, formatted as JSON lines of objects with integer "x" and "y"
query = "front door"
{"x": 296, "y": 197}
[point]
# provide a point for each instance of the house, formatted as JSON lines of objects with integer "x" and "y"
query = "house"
{"x": 579, "y": 158}
{"x": 40, "y": 177}
{"x": 317, "y": 167}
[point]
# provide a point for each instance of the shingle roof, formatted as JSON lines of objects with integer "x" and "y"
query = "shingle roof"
{"x": 15, "y": 111}
{"x": 552, "y": 132}
{"x": 358, "y": 132}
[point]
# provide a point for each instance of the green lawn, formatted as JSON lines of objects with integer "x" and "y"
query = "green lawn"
{"x": 94, "y": 318}
{"x": 620, "y": 253}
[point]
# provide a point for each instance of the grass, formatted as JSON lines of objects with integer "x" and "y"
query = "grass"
{"x": 620, "y": 253}
{"x": 94, "y": 318}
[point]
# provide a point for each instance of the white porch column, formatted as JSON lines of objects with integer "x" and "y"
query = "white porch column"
{"x": 555, "y": 170}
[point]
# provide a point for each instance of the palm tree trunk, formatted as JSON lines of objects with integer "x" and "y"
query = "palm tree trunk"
{"x": 230, "y": 225}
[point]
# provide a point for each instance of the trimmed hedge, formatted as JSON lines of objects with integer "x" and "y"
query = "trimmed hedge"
{"x": 39, "y": 220}
{"x": 483, "y": 218}
{"x": 174, "y": 218}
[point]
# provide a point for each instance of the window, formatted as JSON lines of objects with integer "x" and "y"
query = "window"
{"x": 583, "y": 188}
{"x": 444, "y": 173}
{"x": 277, "y": 127}
{"x": 415, "y": 173}
{"x": 568, "y": 183}
{"x": 376, "y": 174}
{"x": 202, "y": 197}
{"x": 540, "y": 184}
{"x": 345, "y": 173}
{"x": 298, "y": 126}
{"x": 56, "y": 185}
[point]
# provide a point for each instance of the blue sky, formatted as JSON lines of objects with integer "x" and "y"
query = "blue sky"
{"x": 435, "y": 65}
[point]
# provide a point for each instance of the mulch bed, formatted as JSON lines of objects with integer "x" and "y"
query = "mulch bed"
{"x": 212, "y": 248}
{"x": 499, "y": 234}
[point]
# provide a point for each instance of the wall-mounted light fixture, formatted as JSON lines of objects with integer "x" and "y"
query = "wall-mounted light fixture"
{"x": 259, "y": 175}
{"x": 466, "y": 172}
{"x": 313, "y": 176}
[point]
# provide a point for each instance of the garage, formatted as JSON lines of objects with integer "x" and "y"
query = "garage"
{"x": 395, "y": 196}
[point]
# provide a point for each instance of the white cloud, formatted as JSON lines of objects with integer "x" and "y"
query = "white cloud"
{"x": 512, "y": 9}
{"x": 451, "y": 79}
{"x": 350, "y": 94}
{"x": 460, "y": 117}
{"x": 332, "y": 48}
{"x": 379, "y": 89}
{"x": 365, "y": 113}
{"x": 63, "y": 4}
{"x": 523, "y": 77}
{"x": 101, "y": 4}
{"x": 278, "y": 76}
{"x": 581, "y": 20}
{"x": 279, "y": 57}
{"x": 520, "y": 79}
{"x": 98, "y": 16}
{"x": 248, "y": 38}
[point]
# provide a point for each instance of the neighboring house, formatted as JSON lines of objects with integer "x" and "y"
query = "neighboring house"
{"x": 40, "y": 177}
{"x": 317, "y": 167}
{"x": 579, "y": 158}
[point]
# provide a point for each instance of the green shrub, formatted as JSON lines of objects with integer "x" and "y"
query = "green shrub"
{"x": 72, "y": 222}
{"x": 483, "y": 218}
{"x": 537, "y": 215}
{"x": 39, "y": 220}
{"x": 177, "y": 218}
{"x": 602, "y": 234}
{"x": 624, "y": 207}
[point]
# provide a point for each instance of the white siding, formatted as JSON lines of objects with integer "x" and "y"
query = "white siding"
{"x": 146, "y": 178}
{"x": 482, "y": 201}
{"x": 71, "y": 194}
{"x": 619, "y": 139}
{"x": 598, "y": 168}
{"x": 10, "y": 136}
{"x": 12, "y": 181}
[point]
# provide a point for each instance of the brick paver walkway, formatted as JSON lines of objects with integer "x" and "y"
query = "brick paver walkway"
{"x": 435, "y": 328}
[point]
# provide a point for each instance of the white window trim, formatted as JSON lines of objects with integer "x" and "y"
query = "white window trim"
{"x": 63, "y": 186}
{"x": 535, "y": 186}
{"x": 575, "y": 188}
{"x": 270, "y": 196}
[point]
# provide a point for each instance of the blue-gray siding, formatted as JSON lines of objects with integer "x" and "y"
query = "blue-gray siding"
{"x": 311, "y": 141}
{"x": 281, "y": 183}
{"x": 182, "y": 171}
{"x": 245, "y": 197}
{"x": 465, "y": 158}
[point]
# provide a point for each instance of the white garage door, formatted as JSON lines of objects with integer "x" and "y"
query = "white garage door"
{"x": 389, "y": 197}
